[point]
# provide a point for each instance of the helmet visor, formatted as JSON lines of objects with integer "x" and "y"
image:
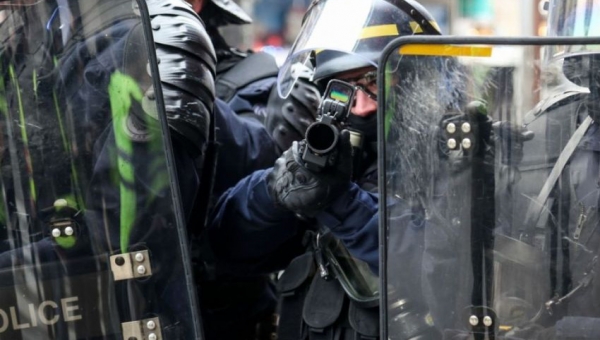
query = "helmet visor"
{"x": 574, "y": 18}
{"x": 358, "y": 28}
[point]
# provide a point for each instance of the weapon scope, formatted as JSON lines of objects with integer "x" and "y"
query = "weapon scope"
{"x": 322, "y": 136}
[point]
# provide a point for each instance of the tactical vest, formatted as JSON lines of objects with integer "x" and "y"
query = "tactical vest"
{"x": 313, "y": 304}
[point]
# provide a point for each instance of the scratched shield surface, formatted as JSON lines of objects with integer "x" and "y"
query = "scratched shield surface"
{"x": 489, "y": 186}
{"x": 91, "y": 226}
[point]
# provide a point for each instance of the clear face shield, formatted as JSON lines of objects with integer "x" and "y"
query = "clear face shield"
{"x": 334, "y": 28}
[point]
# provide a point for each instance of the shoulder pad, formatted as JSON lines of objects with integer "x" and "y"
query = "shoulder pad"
{"x": 553, "y": 100}
{"x": 187, "y": 67}
{"x": 254, "y": 67}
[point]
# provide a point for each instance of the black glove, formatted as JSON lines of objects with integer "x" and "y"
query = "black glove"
{"x": 501, "y": 137}
{"x": 511, "y": 138}
{"x": 287, "y": 119}
{"x": 487, "y": 138}
{"x": 294, "y": 187}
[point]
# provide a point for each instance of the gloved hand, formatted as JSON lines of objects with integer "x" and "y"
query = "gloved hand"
{"x": 501, "y": 137}
{"x": 287, "y": 119}
{"x": 486, "y": 138}
{"x": 294, "y": 187}
{"x": 511, "y": 138}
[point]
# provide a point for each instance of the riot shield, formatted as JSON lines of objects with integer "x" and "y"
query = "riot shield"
{"x": 91, "y": 230}
{"x": 489, "y": 168}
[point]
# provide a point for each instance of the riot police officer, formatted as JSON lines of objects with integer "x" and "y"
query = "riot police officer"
{"x": 239, "y": 144}
{"x": 244, "y": 78}
{"x": 244, "y": 86}
{"x": 242, "y": 142}
{"x": 310, "y": 221}
{"x": 89, "y": 183}
{"x": 507, "y": 222}
{"x": 572, "y": 309}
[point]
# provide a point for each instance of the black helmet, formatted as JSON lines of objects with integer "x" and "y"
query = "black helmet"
{"x": 580, "y": 63}
{"x": 343, "y": 35}
{"x": 218, "y": 13}
{"x": 574, "y": 18}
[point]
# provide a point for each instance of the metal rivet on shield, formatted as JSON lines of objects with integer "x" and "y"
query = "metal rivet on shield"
{"x": 466, "y": 127}
{"x": 151, "y": 325}
{"x": 487, "y": 321}
{"x": 466, "y": 143}
{"x": 451, "y": 128}
{"x": 451, "y": 143}
{"x": 473, "y": 320}
{"x": 156, "y": 27}
{"x": 69, "y": 231}
{"x": 152, "y": 336}
{"x": 141, "y": 270}
{"x": 56, "y": 232}
{"x": 139, "y": 257}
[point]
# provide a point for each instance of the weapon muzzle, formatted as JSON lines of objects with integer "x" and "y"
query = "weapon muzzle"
{"x": 322, "y": 138}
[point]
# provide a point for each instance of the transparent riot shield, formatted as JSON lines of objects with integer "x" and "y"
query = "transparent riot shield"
{"x": 489, "y": 181}
{"x": 91, "y": 235}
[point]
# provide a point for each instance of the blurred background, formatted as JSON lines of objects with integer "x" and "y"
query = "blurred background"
{"x": 276, "y": 22}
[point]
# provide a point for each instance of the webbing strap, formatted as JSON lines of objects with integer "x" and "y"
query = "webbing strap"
{"x": 537, "y": 205}
{"x": 291, "y": 323}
